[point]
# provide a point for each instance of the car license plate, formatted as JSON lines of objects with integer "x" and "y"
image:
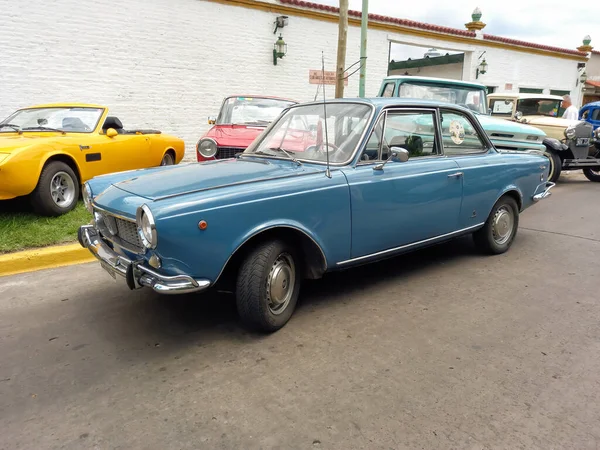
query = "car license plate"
{"x": 583, "y": 142}
{"x": 109, "y": 269}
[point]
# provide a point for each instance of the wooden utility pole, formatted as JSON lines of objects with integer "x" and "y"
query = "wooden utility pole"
{"x": 341, "y": 51}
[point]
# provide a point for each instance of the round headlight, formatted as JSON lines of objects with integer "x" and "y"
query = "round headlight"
{"x": 87, "y": 197}
{"x": 570, "y": 132}
{"x": 597, "y": 133}
{"x": 146, "y": 227}
{"x": 207, "y": 147}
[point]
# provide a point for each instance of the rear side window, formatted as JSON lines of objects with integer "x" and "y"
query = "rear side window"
{"x": 388, "y": 90}
{"x": 459, "y": 136}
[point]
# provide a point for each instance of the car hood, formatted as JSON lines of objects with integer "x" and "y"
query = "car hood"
{"x": 188, "y": 178}
{"x": 550, "y": 121}
{"x": 493, "y": 124}
{"x": 12, "y": 141}
{"x": 240, "y": 136}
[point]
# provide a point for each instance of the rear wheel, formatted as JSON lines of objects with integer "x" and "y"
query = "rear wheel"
{"x": 57, "y": 190}
{"x": 592, "y": 174}
{"x": 268, "y": 285}
{"x": 167, "y": 160}
{"x": 500, "y": 229}
{"x": 555, "y": 165}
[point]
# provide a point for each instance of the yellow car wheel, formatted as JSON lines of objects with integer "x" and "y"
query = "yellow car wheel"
{"x": 57, "y": 190}
{"x": 167, "y": 160}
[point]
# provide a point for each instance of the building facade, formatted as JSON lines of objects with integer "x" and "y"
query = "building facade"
{"x": 168, "y": 64}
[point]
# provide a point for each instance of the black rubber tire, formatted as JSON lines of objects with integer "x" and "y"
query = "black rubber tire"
{"x": 41, "y": 198}
{"x": 483, "y": 237}
{"x": 251, "y": 287}
{"x": 167, "y": 160}
{"x": 592, "y": 175}
{"x": 555, "y": 165}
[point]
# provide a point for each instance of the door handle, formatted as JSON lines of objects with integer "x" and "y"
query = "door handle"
{"x": 455, "y": 175}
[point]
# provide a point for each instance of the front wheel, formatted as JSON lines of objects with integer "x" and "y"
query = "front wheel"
{"x": 592, "y": 174}
{"x": 268, "y": 285}
{"x": 500, "y": 229}
{"x": 57, "y": 190}
{"x": 555, "y": 165}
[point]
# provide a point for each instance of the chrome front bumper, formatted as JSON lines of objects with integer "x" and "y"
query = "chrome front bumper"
{"x": 136, "y": 273}
{"x": 545, "y": 193}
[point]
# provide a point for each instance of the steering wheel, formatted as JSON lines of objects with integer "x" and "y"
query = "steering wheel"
{"x": 322, "y": 148}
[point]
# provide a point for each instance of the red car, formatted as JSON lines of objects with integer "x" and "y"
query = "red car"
{"x": 240, "y": 121}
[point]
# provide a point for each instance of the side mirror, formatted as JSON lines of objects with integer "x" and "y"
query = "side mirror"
{"x": 111, "y": 132}
{"x": 518, "y": 116}
{"x": 398, "y": 154}
{"x": 212, "y": 120}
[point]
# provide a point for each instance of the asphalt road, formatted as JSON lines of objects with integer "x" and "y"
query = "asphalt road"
{"x": 443, "y": 348}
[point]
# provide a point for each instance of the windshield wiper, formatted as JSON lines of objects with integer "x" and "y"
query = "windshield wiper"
{"x": 44, "y": 129}
{"x": 10, "y": 125}
{"x": 289, "y": 155}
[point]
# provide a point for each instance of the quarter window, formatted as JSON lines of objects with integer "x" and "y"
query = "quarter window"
{"x": 388, "y": 90}
{"x": 459, "y": 136}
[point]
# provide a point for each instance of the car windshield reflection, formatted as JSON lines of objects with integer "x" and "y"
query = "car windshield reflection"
{"x": 302, "y": 132}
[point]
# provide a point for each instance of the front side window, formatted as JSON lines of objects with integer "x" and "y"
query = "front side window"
{"x": 303, "y": 132}
{"x": 410, "y": 130}
{"x": 74, "y": 119}
{"x": 459, "y": 136}
{"x": 470, "y": 97}
{"x": 251, "y": 110}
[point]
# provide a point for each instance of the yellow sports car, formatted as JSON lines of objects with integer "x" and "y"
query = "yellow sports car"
{"x": 49, "y": 151}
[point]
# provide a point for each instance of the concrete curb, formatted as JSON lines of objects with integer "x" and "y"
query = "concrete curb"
{"x": 43, "y": 258}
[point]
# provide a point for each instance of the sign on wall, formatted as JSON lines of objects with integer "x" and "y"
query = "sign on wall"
{"x": 316, "y": 77}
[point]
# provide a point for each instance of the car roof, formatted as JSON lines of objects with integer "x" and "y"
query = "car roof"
{"x": 263, "y": 96}
{"x": 522, "y": 96}
{"x": 587, "y": 105}
{"x": 382, "y": 102}
{"x": 66, "y": 105}
{"x": 436, "y": 80}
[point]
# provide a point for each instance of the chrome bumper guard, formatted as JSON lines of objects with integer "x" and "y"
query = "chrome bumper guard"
{"x": 136, "y": 274}
{"x": 545, "y": 193}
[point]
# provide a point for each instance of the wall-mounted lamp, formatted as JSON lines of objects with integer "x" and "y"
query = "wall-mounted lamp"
{"x": 279, "y": 49}
{"x": 582, "y": 78}
{"x": 482, "y": 67}
{"x": 280, "y": 22}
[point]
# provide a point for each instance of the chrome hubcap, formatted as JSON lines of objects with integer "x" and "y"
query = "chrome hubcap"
{"x": 502, "y": 225}
{"x": 167, "y": 161}
{"x": 62, "y": 189}
{"x": 280, "y": 283}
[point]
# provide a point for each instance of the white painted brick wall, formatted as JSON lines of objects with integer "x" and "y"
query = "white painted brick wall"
{"x": 167, "y": 64}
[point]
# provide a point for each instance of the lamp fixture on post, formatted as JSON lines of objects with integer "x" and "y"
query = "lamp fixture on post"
{"x": 582, "y": 77}
{"x": 279, "y": 49}
{"x": 482, "y": 67}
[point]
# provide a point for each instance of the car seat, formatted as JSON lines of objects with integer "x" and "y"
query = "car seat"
{"x": 113, "y": 122}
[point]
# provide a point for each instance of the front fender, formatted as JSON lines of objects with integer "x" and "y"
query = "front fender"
{"x": 20, "y": 172}
{"x": 555, "y": 144}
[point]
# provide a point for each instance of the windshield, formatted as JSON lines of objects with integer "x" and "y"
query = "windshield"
{"x": 526, "y": 106}
{"x": 77, "y": 120}
{"x": 472, "y": 98}
{"x": 300, "y": 133}
{"x": 251, "y": 110}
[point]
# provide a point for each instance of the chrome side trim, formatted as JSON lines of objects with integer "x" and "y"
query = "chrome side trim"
{"x": 546, "y": 193}
{"x": 408, "y": 246}
{"x": 135, "y": 272}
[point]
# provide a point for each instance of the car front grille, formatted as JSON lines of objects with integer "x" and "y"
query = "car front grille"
{"x": 228, "y": 152}
{"x": 127, "y": 231}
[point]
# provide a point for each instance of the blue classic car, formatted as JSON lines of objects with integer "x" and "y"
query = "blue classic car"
{"x": 376, "y": 178}
{"x": 591, "y": 113}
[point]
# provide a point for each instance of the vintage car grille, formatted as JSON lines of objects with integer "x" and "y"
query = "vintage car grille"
{"x": 126, "y": 235}
{"x": 228, "y": 152}
{"x": 127, "y": 231}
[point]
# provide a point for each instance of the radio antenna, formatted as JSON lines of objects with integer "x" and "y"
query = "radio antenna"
{"x": 327, "y": 172}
